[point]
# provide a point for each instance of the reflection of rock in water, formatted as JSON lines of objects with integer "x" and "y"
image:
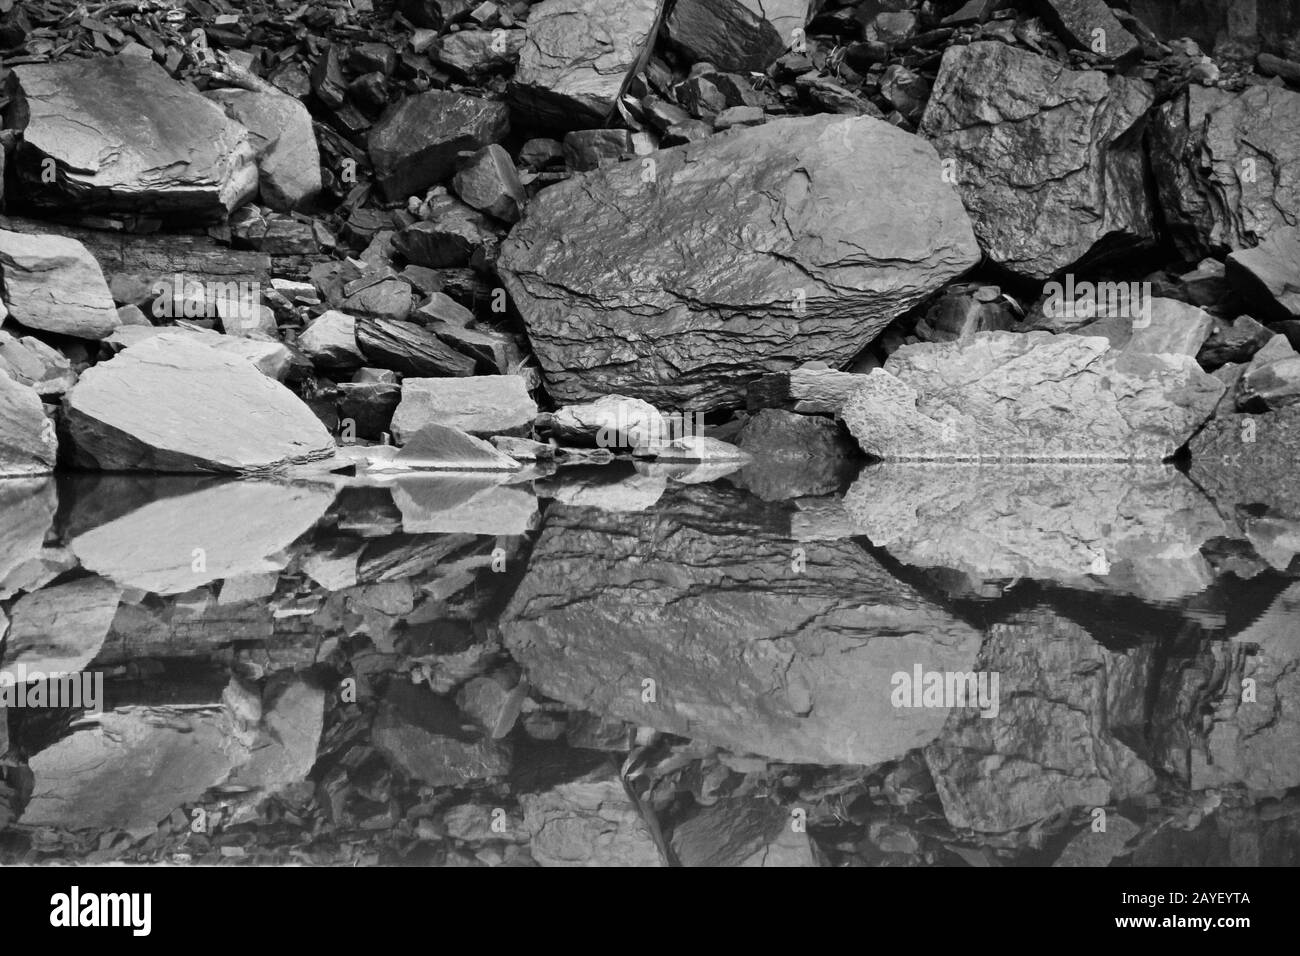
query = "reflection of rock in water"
{"x": 754, "y": 642}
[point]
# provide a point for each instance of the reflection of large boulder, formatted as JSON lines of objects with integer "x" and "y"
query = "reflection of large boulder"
{"x": 1138, "y": 530}
{"x": 61, "y": 628}
{"x": 1050, "y": 748}
{"x": 1030, "y": 396}
{"x": 27, "y": 509}
{"x": 466, "y": 503}
{"x": 755, "y": 252}
{"x": 754, "y": 642}
{"x": 1250, "y": 460}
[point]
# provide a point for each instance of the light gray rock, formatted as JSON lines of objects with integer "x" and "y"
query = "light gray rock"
{"x": 742, "y": 832}
{"x": 331, "y": 341}
{"x": 1030, "y": 396}
{"x": 612, "y": 421}
{"x": 54, "y": 284}
{"x": 819, "y": 259}
{"x": 435, "y": 447}
{"x": 1269, "y": 274}
{"x": 482, "y": 405}
{"x": 28, "y": 445}
{"x": 1161, "y": 327}
{"x": 61, "y": 628}
{"x": 1048, "y": 161}
{"x": 590, "y": 821}
{"x": 169, "y": 404}
{"x": 281, "y": 132}
{"x": 464, "y": 504}
{"x": 1089, "y": 25}
{"x": 29, "y": 361}
{"x": 28, "y": 506}
{"x": 1272, "y": 379}
{"x": 490, "y": 183}
{"x": 126, "y": 137}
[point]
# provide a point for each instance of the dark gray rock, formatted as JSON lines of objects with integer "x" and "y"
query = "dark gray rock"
{"x": 587, "y": 149}
{"x": 490, "y": 184}
{"x": 408, "y": 348}
{"x": 1089, "y": 25}
{"x": 730, "y": 34}
{"x": 416, "y": 142}
{"x": 281, "y": 131}
{"x": 1268, "y": 276}
{"x": 1272, "y": 379}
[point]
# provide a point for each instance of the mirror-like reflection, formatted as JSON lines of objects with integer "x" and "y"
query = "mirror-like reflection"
{"x": 730, "y": 664}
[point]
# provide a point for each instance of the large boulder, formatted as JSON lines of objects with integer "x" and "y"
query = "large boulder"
{"x": 1227, "y": 166}
{"x": 754, "y": 252}
{"x": 28, "y": 445}
{"x": 125, "y": 137}
{"x": 1031, "y": 397}
{"x": 753, "y": 641}
{"x": 175, "y": 405}
{"x": 54, "y": 284}
{"x": 1048, "y": 161}
{"x": 576, "y": 58}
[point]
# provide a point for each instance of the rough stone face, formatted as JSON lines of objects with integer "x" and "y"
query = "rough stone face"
{"x": 730, "y": 34}
{"x": 441, "y": 447}
{"x": 29, "y": 361}
{"x": 331, "y": 341}
{"x": 423, "y": 736}
{"x": 1169, "y": 327}
{"x": 588, "y": 822}
{"x": 61, "y": 628}
{"x": 612, "y": 421}
{"x": 281, "y": 132}
{"x": 1049, "y": 161}
{"x": 54, "y": 284}
{"x": 576, "y": 57}
{"x": 28, "y": 445}
{"x": 1272, "y": 379}
{"x": 1030, "y": 396}
{"x": 409, "y": 348}
{"x": 483, "y": 405}
{"x": 1227, "y": 166}
{"x": 1268, "y": 275}
{"x": 1245, "y": 460}
{"x": 741, "y": 832}
{"x": 795, "y": 455}
{"x": 169, "y": 404}
{"x": 490, "y": 184}
{"x": 126, "y": 137}
{"x": 476, "y": 53}
{"x": 415, "y": 144}
{"x": 819, "y": 258}
{"x": 747, "y": 652}
{"x": 28, "y": 507}
{"x": 1078, "y": 20}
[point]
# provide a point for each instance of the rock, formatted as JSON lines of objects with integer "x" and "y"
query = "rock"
{"x": 441, "y": 447}
{"x": 1050, "y": 748}
{"x": 614, "y": 421}
{"x": 490, "y": 184}
{"x": 751, "y": 645}
{"x": 445, "y": 309}
{"x": 285, "y": 751}
{"x": 174, "y": 544}
{"x": 454, "y": 239}
{"x": 523, "y": 449}
{"x": 730, "y": 34}
{"x": 1089, "y": 847}
{"x": 476, "y": 53}
{"x": 126, "y": 138}
{"x": 1235, "y": 342}
{"x": 1268, "y": 275}
{"x": 272, "y": 359}
{"x": 812, "y": 389}
{"x": 1160, "y": 327}
{"x": 588, "y": 149}
{"x": 605, "y": 488}
{"x": 541, "y": 152}
{"x": 1048, "y": 161}
{"x": 1030, "y": 396}
{"x": 445, "y": 504}
{"x": 590, "y": 821}
{"x": 491, "y": 351}
{"x": 692, "y": 448}
{"x": 407, "y": 348}
{"x": 795, "y": 455}
{"x": 170, "y": 404}
{"x": 387, "y": 299}
{"x": 28, "y": 505}
{"x": 367, "y": 407}
{"x": 60, "y": 629}
{"x": 484, "y": 405}
{"x": 28, "y": 445}
{"x": 330, "y": 341}
{"x": 739, "y": 116}
{"x": 575, "y": 59}
{"x": 416, "y": 142}
{"x": 1227, "y": 166}
{"x": 962, "y": 311}
{"x": 741, "y": 832}
{"x": 1089, "y": 25}
{"x": 1272, "y": 379}
{"x": 423, "y": 736}
{"x": 281, "y": 132}
{"x": 29, "y": 361}
{"x": 54, "y": 284}
{"x": 821, "y": 264}
{"x": 1242, "y": 460}
{"x": 1136, "y": 530}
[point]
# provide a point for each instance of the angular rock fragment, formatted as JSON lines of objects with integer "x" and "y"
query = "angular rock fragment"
{"x": 1245, "y": 460}
{"x": 576, "y": 57}
{"x": 126, "y": 137}
{"x": 483, "y": 405}
{"x": 1030, "y": 396}
{"x": 28, "y": 507}
{"x": 1160, "y": 327}
{"x": 441, "y": 447}
{"x": 54, "y": 284}
{"x": 281, "y": 132}
{"x": 60, "y": 629}
{"x": 423, "y": 735}
{"x": 331, "y": 341}
{"x": 730, "y": 34}
{"x": 1089, "y": 25}
{"x": 170, "y": 404}
{"x": 415, "y": 144}
{"x": 795, "y": 455}
{"x": 476, "y": 53}
{"x": 1269, "y": 275}
{"x": 817, "y": 262}
{"x": 612, "y": 421}
{"x": 29, "y": 361}
{"x": 588, "y": 149}
{"x": 1272, "y": 379}
{"x": 490, "y": 184}
{"x": 590, "y": 821}
{"x": 408, "y": 348}
{"x": 1048, "y": 161}
{"x": 742, "y": 832}
{"x": 28, "y": 445}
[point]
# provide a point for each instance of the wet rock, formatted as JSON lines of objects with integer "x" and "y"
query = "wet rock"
{"x": 446, "y": 504}
{"x": 423, "y": 736}
{"x": 1048, "y": 161}
{"x": 54, "y": 284}
{"x": 1078, "y": 22}
{"x": 709, "y": 598}
{"x": 416, "y": 143}
{"x": 588, "y": 149}
{"x": 1049, "y": 748}
{"x": 575, "y": 59}
{"x": 408, "y": 348}
{"x": 590, "y": 821}
{"x": 281, "y": 133}
{"x": 28, "y": 445}
{"x": 60, "y": 629}
{"x": 1272, "y": 379}
{"x": 605, "y": 488}
{"x": 612, "y": 421}
{"x": 331, "y": 341}
{"x": 730, "y": 34}
{"x": 1226, "y": 166}
{"x": 169, "y": 404}
{"x": 126, "y": 137}
{"x": 820, "y": 266}
{"x": 1268, "y": 275}
{"x": 490, "y": 184}
{"x": 181, "y": 542}
{"x": 435, "y": 446}
{"x": 1030, "y": 396}
{"x": 483, "y": 405}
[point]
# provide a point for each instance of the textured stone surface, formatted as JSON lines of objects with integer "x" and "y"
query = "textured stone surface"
{"x": 331, "y": 341}
{"x": 469, "y": 504}
{"x": 54, "y": 284}
{"x": 590, "y": 821}
{"x": 747, "y": 649}
{"x": 170, "y": 404}
{"x": 490, "y": 184}
{"x": 1032, "y": 396}
{"x": 750, "y": 253}
{"x": 576, "y": 56}
{"x": 1227, "y": 166}
{"x": 415, "y": 144}
{"x": 730, "y": 34}
{"x": 281, "y": 132}
{"x": 1272, "y": 379}
{"x": 483, "y": 405}
{"x": 29, "y": 361}
{"x": 1049, "y": 161}
{"x": 1268, "y": 275}
{"x": 125, "y": 137}
{"x": 28, "y": 445}
{"x": 408, "y": 348}
{"x": 1249, "y": 460}
{"x": 1078, "y": 22}
{"x": 61, "y": 628}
